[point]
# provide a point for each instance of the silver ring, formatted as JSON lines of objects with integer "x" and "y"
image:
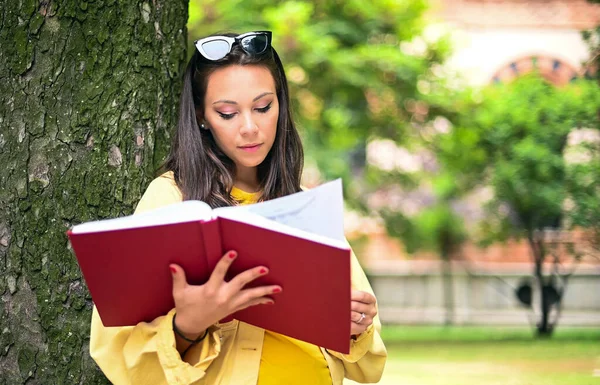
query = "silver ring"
{"x": 362, "y": 317}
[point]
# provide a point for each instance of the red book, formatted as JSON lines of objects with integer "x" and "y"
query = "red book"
{"x": 125, "y": 263}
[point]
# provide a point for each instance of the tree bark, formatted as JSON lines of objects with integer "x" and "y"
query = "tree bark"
{"x": 544, "y": 327}
{"x": 88, "y": 95}
{"x": 448, "y": 291}
{"x": 447, "y": 249}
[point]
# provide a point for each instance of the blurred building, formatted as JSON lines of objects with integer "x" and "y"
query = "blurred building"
{"x": 495, "y": 41}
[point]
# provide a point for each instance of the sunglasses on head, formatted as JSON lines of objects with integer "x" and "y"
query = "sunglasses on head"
{"x": 217, "y": 47}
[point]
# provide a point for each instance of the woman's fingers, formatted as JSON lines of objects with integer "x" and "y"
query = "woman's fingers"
{"x": 357, "y": 318}
{"x": 360, "y": 307}
{"x": 245, "y": 277}
{"x": 356, "y": 329}
{"x": 257, "y": 301}
{"x": 363, "y": 310}
{"x": 179, "y": 280}
{"x": 358, "y": 323}
{"x": 363, "y": 296}
{"x": 218, "y": 275}
{"x": 248, "y": 295}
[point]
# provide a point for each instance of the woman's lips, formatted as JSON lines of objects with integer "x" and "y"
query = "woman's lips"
{"x": 251, "y": 147}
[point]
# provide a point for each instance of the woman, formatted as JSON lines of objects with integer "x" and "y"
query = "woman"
{"x": 235, "y": 143}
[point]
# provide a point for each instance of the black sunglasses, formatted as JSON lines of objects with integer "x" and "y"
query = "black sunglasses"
{"x": 217, "y": 47}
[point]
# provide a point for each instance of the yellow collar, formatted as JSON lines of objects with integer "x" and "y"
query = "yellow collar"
{"x": 244, "y": 197}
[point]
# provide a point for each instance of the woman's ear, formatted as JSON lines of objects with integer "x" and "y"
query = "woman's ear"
{"x": 200, "y": 120}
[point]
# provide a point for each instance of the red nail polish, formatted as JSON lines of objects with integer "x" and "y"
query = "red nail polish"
{"x": 270, "y": 303}
{"x": 232, "y": 254}
{"x": 173, "y": 269}
{"x": 277, "y": 290}
{"x": 263, "y": 271}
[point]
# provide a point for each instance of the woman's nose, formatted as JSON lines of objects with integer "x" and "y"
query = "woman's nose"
{"x": 249, "y": 125}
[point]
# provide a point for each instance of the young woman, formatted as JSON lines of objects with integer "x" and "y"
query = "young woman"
{"x": 236, "y": 143}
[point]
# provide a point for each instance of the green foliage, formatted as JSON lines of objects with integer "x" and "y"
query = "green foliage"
{"x": 349, "y": 79}
{"x": 584, "y": 188}
{"x": 583, "y": 185}
{"x": 514, "y": 141}
{"x": 435, "y": 227}
{"x": 354, "y": 74}
{"x": 592, "y": 39}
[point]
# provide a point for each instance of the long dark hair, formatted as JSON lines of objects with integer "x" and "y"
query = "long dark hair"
{"x": 202, "y": 171}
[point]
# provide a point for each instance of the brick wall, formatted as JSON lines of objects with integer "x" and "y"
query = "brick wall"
{"x": 573, "y": 14}
{"x": 380, "y": 251}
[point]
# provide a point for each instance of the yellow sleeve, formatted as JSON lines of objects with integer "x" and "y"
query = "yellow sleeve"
{"x": 367, "y": 356}
{"x": 162, "y": 191}
{"x": 146, "y": 353}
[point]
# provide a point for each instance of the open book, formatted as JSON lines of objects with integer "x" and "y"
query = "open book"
{"x": 299, "y": 238}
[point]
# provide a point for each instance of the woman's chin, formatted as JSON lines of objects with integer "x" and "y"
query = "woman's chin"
{"x": 250, "y": 163}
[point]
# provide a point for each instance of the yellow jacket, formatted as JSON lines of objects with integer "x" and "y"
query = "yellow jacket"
{"x": 146, "y": 354}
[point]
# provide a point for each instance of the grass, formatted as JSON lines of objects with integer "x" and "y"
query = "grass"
{"x": 402, "y": 334}
{"x": 421, "y": 355}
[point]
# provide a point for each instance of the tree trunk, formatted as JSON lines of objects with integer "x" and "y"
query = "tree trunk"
{"x": 88, "y": 93}
{"x": 447, "y": 284}
{"x": 544, "y": 327}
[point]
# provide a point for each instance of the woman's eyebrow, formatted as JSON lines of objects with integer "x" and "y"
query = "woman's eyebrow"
{"x": 261, "y": 95}
{"x": 225, "y": 101}
{"x": 233, "y": 102}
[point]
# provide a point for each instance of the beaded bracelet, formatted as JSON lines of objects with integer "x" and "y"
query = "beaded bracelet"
{"x": 180, "y": 334}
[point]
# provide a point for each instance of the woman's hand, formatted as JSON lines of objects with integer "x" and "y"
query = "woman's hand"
{"x": 363, "y": 311}
{"x": 198, "y": 307}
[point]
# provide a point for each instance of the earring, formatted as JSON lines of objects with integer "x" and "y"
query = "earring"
{"x": 202, "y": 126}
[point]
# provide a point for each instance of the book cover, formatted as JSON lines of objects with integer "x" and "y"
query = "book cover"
{"x": 125, "y": 264}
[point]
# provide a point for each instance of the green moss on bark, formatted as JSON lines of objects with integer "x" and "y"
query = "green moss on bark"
{"x": 79, "y": 80}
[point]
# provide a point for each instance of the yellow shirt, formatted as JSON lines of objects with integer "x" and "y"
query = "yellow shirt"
{"x": 309, "y": 364}
{"x": 231, "y": 353}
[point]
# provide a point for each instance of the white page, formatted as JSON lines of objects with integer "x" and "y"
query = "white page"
{"x": 256, "y": 220}
{"x": 318, "y": 211}
{"x": 186, "y": 211}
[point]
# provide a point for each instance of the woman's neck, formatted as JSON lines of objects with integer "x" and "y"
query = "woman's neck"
{"x": 246, "y": 179}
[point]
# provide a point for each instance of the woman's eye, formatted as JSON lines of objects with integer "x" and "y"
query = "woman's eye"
{"x": 265, "y": 108}
{"x": 226, "y": 116}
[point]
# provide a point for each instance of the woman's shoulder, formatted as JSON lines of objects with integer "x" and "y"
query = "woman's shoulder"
{"x": 161, "y": 191}
{"x": 164, "y": 181}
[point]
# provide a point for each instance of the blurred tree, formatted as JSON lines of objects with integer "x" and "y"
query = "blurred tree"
{"x": 360, "y": 71}
{"x": 587, "y": 213}
{"x": 88, "y": 92}
{"x": 514, "y": 141}
{"x": 592, "y": 39}
{"x": 356, "y": 69}
{"x": 435, "y": 227}
{"x": 584, "y": 189}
